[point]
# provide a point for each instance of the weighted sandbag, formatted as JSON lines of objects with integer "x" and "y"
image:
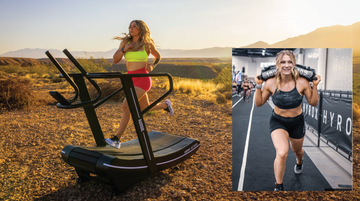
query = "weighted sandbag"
{"x": 306, "y": 72}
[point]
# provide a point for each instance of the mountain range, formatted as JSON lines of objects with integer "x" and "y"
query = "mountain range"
{"x": 337, "y": 36}
{"x": 37, "y": 53}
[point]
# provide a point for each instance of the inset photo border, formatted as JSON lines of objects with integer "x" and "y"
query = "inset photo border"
{"x": 327, "y": 143}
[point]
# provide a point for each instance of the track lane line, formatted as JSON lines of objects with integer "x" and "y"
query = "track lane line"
{"x": 237, "y": 102}
{"x": 243, "y": 165}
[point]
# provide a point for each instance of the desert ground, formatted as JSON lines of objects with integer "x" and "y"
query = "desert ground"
{"x": 31, "y": 167}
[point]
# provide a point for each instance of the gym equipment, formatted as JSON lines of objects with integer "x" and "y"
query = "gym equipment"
{"x": 304, "y": 71}
{"x": 137, "y": 158}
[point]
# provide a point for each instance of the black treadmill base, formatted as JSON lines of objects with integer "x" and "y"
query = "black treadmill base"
{"x": 126, "y": 166}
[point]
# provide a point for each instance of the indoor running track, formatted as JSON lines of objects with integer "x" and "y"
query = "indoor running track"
{"x": 256, "y": 173}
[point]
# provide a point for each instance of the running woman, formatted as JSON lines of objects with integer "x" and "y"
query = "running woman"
{"x": 287, "y": 121}
{"x": 246, "y": 85}
{"x": 136, "y": 47}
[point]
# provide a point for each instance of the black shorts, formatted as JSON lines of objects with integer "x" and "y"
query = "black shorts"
{"x": 295, "y": 126}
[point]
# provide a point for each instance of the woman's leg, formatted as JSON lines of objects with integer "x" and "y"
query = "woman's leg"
{"x": 125, "y": 117}
{"x": 144, "y": 102}
{"x": 280, "y": 140}
{"x": 297, "y": 147}
{"x": 248, "y": 94}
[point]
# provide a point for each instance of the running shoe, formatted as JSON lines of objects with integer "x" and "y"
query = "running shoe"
{"x": 278, "y": 187}
{"x": 114, "y": 141}
{"x": 298, "y": 168}
{"x": 169, "y": 109}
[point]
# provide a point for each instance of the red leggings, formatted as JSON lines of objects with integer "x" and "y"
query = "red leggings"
{"x": 142, "y": 82}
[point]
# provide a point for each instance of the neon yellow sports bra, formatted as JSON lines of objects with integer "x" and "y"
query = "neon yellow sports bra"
{"x": 139, "y": 56}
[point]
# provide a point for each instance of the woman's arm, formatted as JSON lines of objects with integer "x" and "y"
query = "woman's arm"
{"x": 262, "y": 95}
{"x": 156, "y": 54}
{"x": 121, "y": 51}
{"x": 311, "y": 95}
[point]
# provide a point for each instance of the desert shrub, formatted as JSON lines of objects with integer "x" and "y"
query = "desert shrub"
{"x": 356, "y": 112}
{"x": 194, "y": 86}
{"x": 208, "y": 86}
{"x": 220, "y": 98}
{"x": 36, "y": 69}
{"x": 15, "y": 93}
{"x": 228, "y": 95}
{"x": 56, "y": 79}
{"x": 185, "y": 87}
{"x": 92, "y": 65}
{"x": 46, "y": 75}
{"x": 12, "y": 69}
{"x": 164, "y": 84}
{"x": 224, "y": 78}
{"x": 65, "y": 85}
{"x": 3, "y": 75}
{"x": 107, "y": 88}
{"x": 40, "y": 69}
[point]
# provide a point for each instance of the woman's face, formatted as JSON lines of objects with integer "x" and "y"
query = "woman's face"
{"x": 286, "y": 65}
{"x": 134, "y": 30}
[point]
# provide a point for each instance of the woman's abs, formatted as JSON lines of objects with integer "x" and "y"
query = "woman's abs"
{"x": 288, "y": 112}
{"x": 133, "y": 66}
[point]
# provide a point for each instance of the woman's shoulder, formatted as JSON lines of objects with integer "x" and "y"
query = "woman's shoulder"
{"x": 303, "y": 84}
{"x": 147, "y": 47}
{"x": 270, "y": 81}
{"x": 302, "y": 81}
{"x": 270, "y": 84}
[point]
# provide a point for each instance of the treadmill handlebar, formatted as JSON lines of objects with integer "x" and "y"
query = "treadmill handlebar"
{"x": 73, "y": 84}
{"x": 83, "y": 71}
{"x": 164, "y": 95}
{"x": 90, "y": 77}
{"x": 66, "y": 76}
{"x": 119, "y": 75}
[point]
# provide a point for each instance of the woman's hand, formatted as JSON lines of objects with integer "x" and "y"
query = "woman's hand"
{"x": 120, "y": 52}
{"x": 257, "y": 80}
{"x": 149, "y": 67}
{"x": 128, "y": 46}
{"x": 316, "y": 82}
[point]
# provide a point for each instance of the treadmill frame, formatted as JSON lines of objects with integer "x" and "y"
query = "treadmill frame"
{"x": 130, "y": 94}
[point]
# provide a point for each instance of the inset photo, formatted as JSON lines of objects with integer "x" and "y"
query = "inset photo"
{"x": 292, "y": 119}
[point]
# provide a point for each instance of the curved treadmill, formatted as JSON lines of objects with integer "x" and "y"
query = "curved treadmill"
{"x": 128, "y": 161}
{"x": 136, "y": 159}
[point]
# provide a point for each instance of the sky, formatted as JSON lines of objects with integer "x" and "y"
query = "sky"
{"x": 90, "y": 25}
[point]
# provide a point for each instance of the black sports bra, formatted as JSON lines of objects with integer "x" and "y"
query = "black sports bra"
{"x": 287, "y": 99}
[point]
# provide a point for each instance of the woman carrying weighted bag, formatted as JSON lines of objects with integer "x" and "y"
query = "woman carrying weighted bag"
{"x": 287, "y": 121}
